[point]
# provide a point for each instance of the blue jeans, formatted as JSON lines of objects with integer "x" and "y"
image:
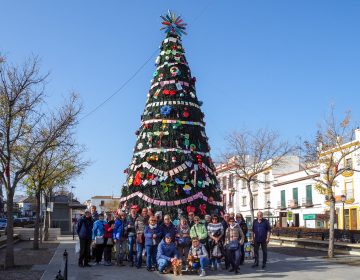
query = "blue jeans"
{"x": 151, "y": 251}
{"x": 214, "y": 261}
{"x": 162, "y": 264}
{"x": 131, "y": 242}
{"x": 139, "y": 249}
{"x": 202, "y": 263}
{"x": 234, "y": 257}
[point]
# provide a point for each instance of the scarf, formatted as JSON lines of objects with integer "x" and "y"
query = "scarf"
{"x": 152, "y": 227}
{"x": 233, "y": 226}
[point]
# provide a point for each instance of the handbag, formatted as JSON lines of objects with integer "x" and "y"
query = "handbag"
{"x": 216, "y": 251}
{"x": 232, "y": 245}
{"x": 99, "y": 240}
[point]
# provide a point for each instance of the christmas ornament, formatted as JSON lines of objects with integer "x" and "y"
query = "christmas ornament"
{"x": 173, "y": 159}
{"x": 173, "y": 24}
{"x": 186, "y": 113}
{"x": 187, "y": 189}
{"x": 174, "y": 71}
{"x": 165, "y": 110}
{"x": 137, "y": 181}
{"x": 202, "y": 209}
{"x": 190, "y": 208}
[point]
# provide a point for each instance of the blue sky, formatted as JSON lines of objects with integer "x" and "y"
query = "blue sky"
{"x": 276, "y": 64}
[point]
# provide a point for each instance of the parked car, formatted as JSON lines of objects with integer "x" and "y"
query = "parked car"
{"x": 3, "y": 224}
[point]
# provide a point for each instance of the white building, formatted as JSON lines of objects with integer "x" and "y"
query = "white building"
{"x": 236, "y": 195}
{"x": 297, "y": 202}
{"x": 104, "y": 203}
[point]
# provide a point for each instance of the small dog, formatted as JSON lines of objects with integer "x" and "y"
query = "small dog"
{"x": 177, "y": 267}
{"x": 190, "y": 261}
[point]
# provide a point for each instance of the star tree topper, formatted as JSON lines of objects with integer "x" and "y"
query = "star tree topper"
{"x": 173, "y": 24}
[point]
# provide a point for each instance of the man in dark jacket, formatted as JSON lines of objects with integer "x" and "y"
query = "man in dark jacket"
{"x": 261, "y": 236}
{"x": 84, "y": 231}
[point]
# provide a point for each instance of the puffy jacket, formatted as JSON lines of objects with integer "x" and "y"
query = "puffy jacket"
{"x": 165, "y": 229}
{"x": 84, "y": 228}
{"x": 149, "y": 232}
{"x": 166, "y": 251}
{"x": 199, "y": 231}
{"x": 98, "y": 228}
{"x": 118, "y": 229}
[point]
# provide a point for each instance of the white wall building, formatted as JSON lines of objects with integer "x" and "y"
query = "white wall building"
{"x": 105, "y": 203}
{"x": 236, "y": 195}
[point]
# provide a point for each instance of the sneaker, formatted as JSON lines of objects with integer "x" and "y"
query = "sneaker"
{"x": 203, "y": 273}
{"x": 212, "y": 268}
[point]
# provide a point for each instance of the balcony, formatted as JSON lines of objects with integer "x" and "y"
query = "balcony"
{"x": 293, "y": 204}
{"x": 281, "y": 205}
{"x": 306, "y": 202}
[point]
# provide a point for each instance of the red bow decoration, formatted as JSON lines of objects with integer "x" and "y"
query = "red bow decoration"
{"x": 202, "y": 208}
{"x": 137, "y": 181}
{"x": 190, "y": 208}
{"x": 169, "y": 92}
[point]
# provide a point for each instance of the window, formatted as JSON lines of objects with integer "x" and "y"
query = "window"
{"x": 224, "y": 183}
{"x": 255, "y": 197}
{"x": 231, "y": 199}
{"x": 267, "y": 198}
{"x": 266, "y": 180}
{"x": 295, "y": 196}
{"x": 283, "y": 201}
{"x": 243, "y": 201}
{"x": 224, "y": 200}
{"x": 231, "y": 181}
{"x": 102, "y": 203}
{"x": 348, "y": 163}
{"x": 349, "y": 192}
{"x": 308, "y": 195}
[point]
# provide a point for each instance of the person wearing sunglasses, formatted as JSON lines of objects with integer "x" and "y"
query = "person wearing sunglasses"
{"x": 199, "y": 255}
{"x": 198, "y": 230}
{"x": 215, "y": 233}
{"x": 234, "y": 238}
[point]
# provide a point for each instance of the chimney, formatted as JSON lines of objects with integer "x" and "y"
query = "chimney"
{"x": 357, "y": 134}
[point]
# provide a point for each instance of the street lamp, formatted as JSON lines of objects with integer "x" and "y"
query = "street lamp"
{"x": 343, "y": 198}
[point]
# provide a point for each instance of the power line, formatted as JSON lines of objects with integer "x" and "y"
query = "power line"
{"x": 135, "y": 73}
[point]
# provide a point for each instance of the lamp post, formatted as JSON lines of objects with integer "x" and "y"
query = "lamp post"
{"x": 343, "y": 198}
{"x": 72, "y": 218}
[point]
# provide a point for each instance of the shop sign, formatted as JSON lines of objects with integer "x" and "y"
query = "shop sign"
{"x": 309, "y": 216}
{"x": 289, "y": 216}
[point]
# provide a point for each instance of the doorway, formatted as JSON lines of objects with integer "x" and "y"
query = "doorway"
{"x": 353, "y": 218}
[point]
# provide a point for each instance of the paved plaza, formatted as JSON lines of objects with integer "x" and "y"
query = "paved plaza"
{"x": 284, "y": 263}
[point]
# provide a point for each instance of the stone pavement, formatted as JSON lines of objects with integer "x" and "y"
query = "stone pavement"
{"x": 280, "y": 266}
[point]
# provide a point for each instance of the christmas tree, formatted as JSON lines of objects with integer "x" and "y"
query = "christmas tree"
{"x": 171, "y": 169}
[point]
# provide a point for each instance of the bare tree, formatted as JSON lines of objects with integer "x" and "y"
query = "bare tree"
{"x": 56, "y": 167}
{"x": 326, "y": 154}
{"x": 26, "y": 131}
{"x": 252, "y": 153}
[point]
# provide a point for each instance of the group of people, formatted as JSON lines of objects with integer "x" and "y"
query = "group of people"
{"x": 198, "y": 244}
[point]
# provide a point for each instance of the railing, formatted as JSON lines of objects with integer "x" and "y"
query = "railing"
{"x": 352, "y": 236}
{"x": 63, "y": 276}
{"x": 307, "y": 202}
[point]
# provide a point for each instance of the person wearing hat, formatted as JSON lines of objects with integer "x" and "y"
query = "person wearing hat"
{"x": 234, "y": 238}
{"x": 84, "y": 231}
{"x": 166, "y": 253}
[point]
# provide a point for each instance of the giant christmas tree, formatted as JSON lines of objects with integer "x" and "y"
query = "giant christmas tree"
{"x": 171, "y": 169}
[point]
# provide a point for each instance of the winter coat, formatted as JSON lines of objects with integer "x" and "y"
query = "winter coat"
{"x": 118, "y": 229}
{"x": 98, "y": 228}
{"x": 130, "y": 230}
{"x": 95, "y": 216}
{"x": 168, "y": 229}
{"x": 149, "y": 232}
{"x": 199, "y": 231}
{"x": 234, "y": 234}
{"x": 198, "y": 251}
{"x": 140, "y": 224}
{"x": 84, "y": 228}
{"x": 166, "y": 251}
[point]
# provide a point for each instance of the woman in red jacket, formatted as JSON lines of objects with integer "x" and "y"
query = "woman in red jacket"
{"x": 108, "y": 241}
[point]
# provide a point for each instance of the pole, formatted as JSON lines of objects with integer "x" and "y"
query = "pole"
{"x": 344, "y": 216}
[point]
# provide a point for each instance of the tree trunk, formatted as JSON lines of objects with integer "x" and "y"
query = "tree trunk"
{"x": 251, "y": 201}
{"x": 9, "y": 257}
{"x": 46, "y": 221}
{"x": 37, "y": 219}
{"x": 331, "y": 227}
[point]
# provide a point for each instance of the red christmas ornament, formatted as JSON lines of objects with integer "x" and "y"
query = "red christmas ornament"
{"x": 186, "y": 113}
{"x": 202, "y": 208}
{"x": 190, "y": 208}
{"x": 137, "y": 180}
